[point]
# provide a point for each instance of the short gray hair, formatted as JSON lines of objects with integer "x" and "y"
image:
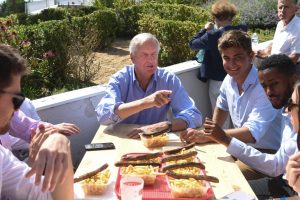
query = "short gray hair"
{"x": 140, "y": 39}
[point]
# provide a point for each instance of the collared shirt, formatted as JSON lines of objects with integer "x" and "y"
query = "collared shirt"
{"x": 123, "y": 87}
{"x": 287, "y": 38}
{"x": 269, "y": 164}
{"x": 13, "y": 184}
{"x": 21, "y": 125}
{"x": 252, "y": 109}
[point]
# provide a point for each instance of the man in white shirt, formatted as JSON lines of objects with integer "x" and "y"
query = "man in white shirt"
{"x": 277, "y": 75}
{"x": 254, "y": 119}
{"x": 287, "y": 35}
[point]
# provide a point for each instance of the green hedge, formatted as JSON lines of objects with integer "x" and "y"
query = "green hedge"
{"x": 128, "y": 17}
{"x": 174, "y": 37}
{"x": 58, "y": 37}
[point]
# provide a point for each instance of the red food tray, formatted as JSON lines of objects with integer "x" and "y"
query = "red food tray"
{"x": 160, "y": 189}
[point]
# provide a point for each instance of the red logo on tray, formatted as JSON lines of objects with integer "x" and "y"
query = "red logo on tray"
{"x": 132, "y": 183}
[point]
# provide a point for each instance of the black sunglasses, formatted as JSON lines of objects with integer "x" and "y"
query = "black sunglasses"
{"x": 18, "y": 98}
{"x": 290, "y": 105}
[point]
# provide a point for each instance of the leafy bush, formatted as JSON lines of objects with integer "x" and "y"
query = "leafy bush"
{"x": 55, "y": 14}
{"x": 177, "y": 12}
{"x": 174, "y": 37}
{"x": 128, "y": 17}
{"x": 258, "y": 13}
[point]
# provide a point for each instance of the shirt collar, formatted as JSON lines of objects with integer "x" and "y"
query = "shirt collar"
{"x": 153, "y": 79}
{"x": 251, "y": 79}
{"x": 291, "y": 24}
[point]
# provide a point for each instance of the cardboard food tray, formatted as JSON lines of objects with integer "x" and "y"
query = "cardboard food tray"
{"x": 160, "y": 189}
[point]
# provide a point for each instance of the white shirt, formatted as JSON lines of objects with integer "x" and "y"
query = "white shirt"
{"x": 287, "y": 38}
{"x": 252, "y": 109}
{"x": 269, "y": 164}
{"x": 13, "y": 184}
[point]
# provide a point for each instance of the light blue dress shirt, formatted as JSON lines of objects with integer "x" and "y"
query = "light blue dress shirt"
{"x": 269, "y": 164}
{"x": 252, "y": 109}
{"x": 123, "y": 87}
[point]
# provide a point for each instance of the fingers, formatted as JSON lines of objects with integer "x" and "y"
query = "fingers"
{"x": 48, "y": 173}
{"x": 60, "y": 168}
{"x": 67, "y": 128}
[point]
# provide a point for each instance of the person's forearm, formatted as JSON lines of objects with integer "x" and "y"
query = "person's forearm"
{"x": 243, "y": 134}
{"x": 179, "y": 125}
{"x": 127, "y": 109}
{"x": 65, "y": 190}
{"x": 219, "y": 116}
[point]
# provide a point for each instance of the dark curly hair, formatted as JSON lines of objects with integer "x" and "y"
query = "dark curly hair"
{"x": 281, "y": 62}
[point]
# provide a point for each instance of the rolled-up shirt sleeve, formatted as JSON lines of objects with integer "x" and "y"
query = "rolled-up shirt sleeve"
{"x": 183, "y": 106}
{"x": 222, "y": 102}
{"x": 109, "y": 103}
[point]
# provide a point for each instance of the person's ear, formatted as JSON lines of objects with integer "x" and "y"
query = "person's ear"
{"x": 131, "y": 57}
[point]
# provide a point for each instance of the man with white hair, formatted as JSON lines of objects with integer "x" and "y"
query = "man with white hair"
{"x": 287, "y": 35}
{"x": 142, "y": 93}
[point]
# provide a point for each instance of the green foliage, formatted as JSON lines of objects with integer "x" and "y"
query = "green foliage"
{"x": 263, "y": 34}
{"x": 127, "y": 21}
{"x": 59, "y": 52}
{"x": 177, "y": 12}
{"x": 128, "y": 17}
{"x": 191, "y": 2}
{"x": 55, "y": 14}
{"x": 9, "y": 7}
{"x": 174, "y": 37}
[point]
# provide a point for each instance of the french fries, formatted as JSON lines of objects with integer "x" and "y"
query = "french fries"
{"x": 147, "y": 173}
{"x": 96, "y": 184}
{"x": 187, "y": 188}
{"x": 155, "y": 141}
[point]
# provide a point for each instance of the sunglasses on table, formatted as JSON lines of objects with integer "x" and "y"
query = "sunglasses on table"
{"x": 17, "y": 98}
{"x": 290, "y": 105}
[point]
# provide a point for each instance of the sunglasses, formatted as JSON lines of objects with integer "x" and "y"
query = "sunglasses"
{"x": 290, "y": 105}
{"x": 17, "y": 98}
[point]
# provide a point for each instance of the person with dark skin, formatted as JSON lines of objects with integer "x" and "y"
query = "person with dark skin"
{"x": 277, "y": 75}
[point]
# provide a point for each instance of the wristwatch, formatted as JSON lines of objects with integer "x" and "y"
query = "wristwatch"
{"x": 169, "y": 126}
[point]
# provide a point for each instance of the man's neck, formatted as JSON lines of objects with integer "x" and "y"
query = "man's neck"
{"x": 285, "y": 23}
{"x": 144, "y": 82}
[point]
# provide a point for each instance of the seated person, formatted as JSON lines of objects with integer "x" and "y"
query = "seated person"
{"x": 52, "y": 155}
{"x": 255, "y": 121}
{"x": 18, "y": 146}
{"x": 287, "y": 35}
{"x": 212, "y": 69}
{"x": 142, "y": 93}
{"x": 277, "y": 75}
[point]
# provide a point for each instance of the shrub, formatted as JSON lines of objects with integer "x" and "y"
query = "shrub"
{"x": 177, "y": 12}
{"x": 174, "y": 37}
{"x": 127, "y": 19}
{"x": 258, "y": 13}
